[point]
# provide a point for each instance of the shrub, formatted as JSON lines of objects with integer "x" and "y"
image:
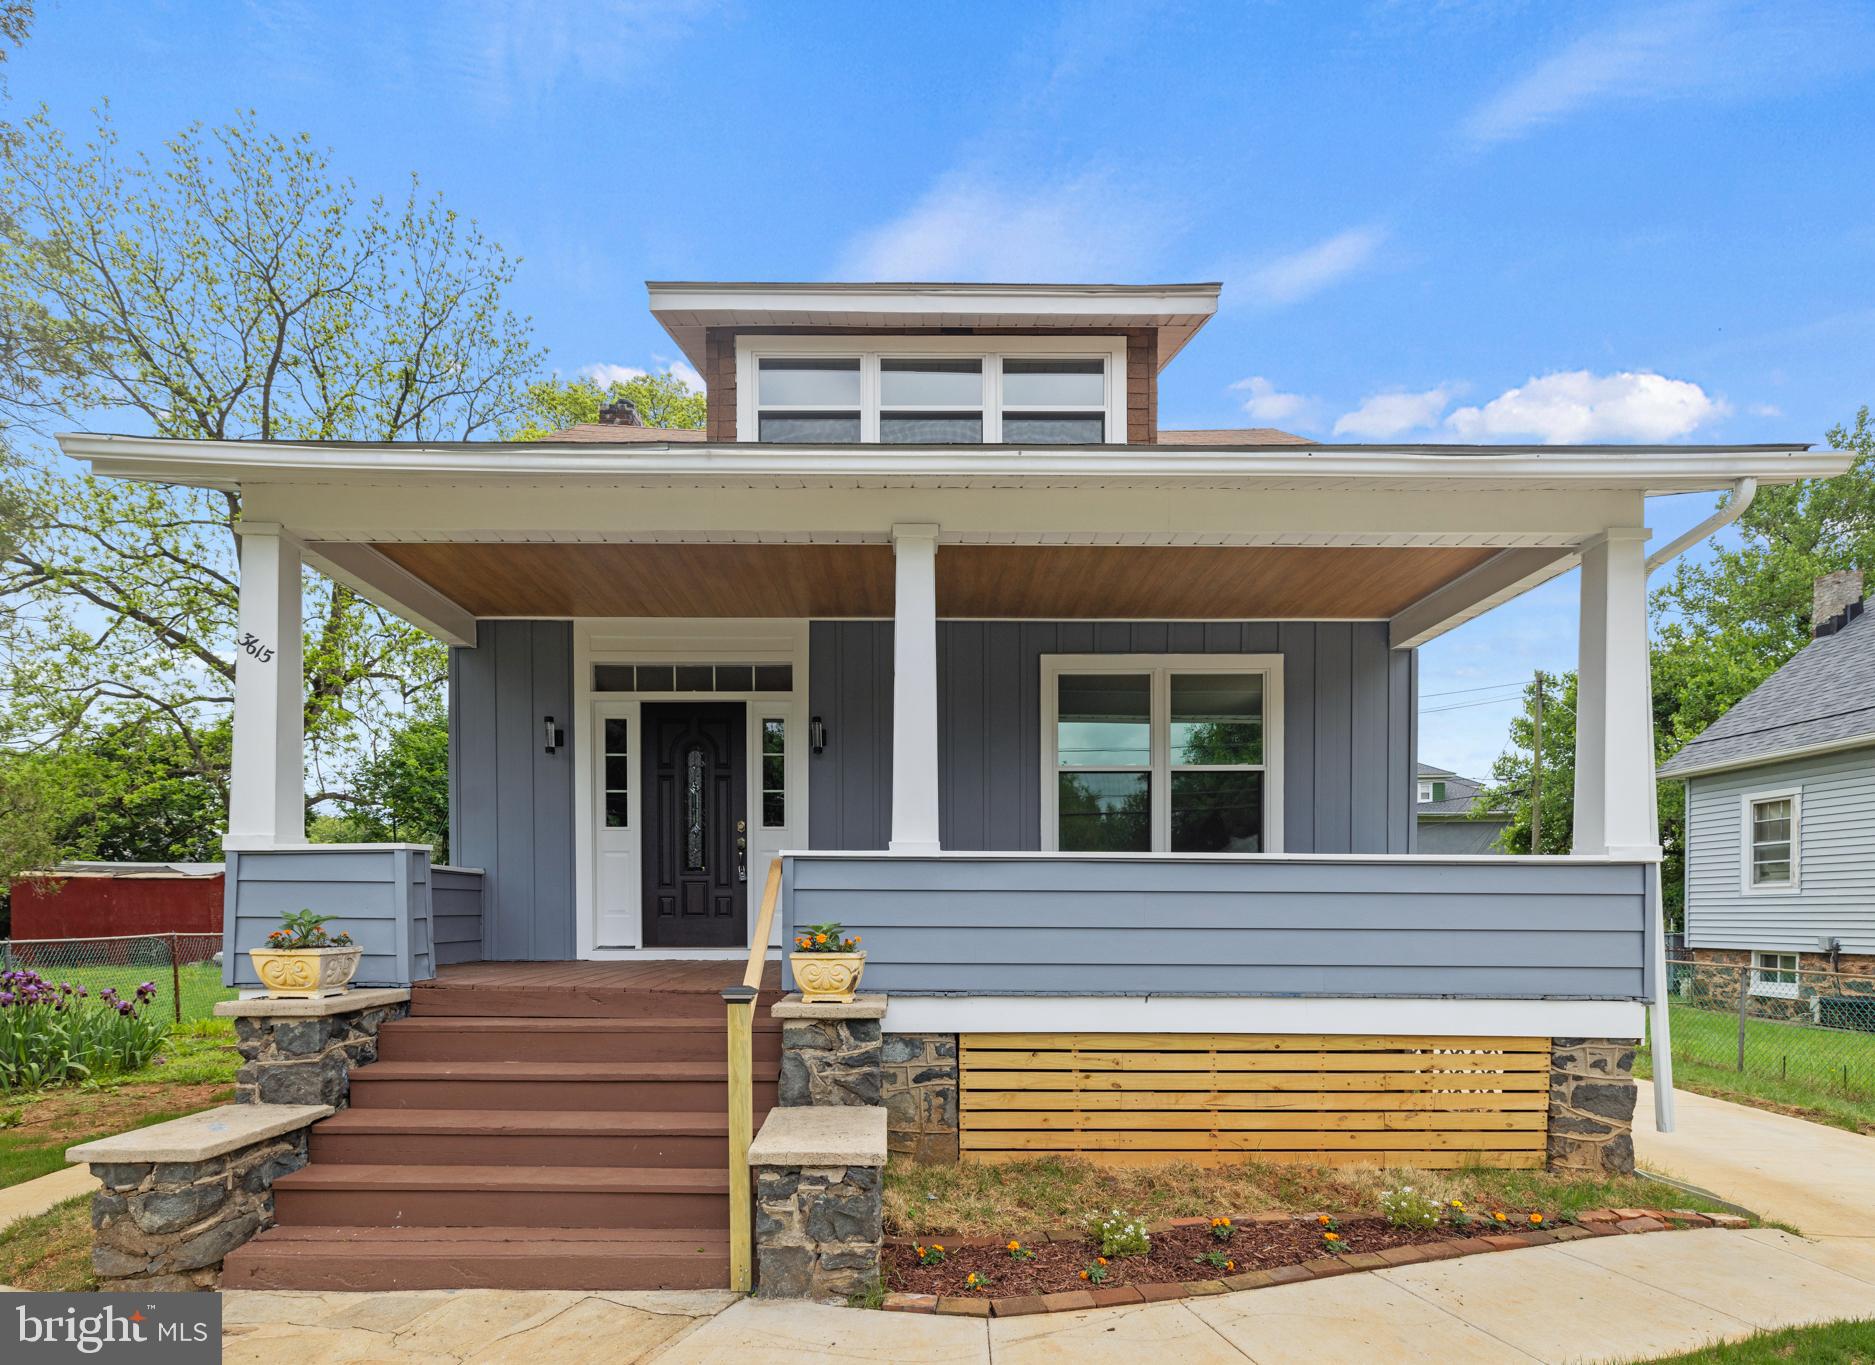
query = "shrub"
{"x": 1120, "y": 1235}
{"x": 51, "y": 1034}
{"x": 1407, "y": 1207}
{"x": 824, "y": 938}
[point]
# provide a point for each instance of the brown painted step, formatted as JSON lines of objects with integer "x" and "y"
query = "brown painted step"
{"x": 447, "y": 1039}
{"x": 693, "y": 1087}
{"x": 504, "y": 1137}
{"x": 502, "y": 1196}
{"x": 436, "y": 1000}
{"x": 372, "y": 1258}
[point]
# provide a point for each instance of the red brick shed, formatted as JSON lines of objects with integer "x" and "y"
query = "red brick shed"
{"x": 102, "y": 900}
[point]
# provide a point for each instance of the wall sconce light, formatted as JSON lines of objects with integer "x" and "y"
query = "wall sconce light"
{"x": 817, "y": 734}
{"x": 554, "y": 735}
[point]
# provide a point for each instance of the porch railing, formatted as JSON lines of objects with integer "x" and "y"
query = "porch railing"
{"x": 740, "y": 1004}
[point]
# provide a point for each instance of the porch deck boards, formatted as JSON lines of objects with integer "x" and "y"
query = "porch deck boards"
{"x": 684, "y": 976}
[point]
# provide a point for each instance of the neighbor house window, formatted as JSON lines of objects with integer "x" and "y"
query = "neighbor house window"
{"x": 1772, "y": 841}
{"x": 932, "y": 390}
{"x": 1171, "y": 755}
{"x": 1774, "y": 974}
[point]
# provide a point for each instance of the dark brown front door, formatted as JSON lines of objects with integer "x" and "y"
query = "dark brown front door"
{"x": 695, "y": 826}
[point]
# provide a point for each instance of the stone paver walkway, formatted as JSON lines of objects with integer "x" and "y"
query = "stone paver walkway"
{"x": 31, "y": 1197}
{"x": 1611, "y": 1298}
{"x": 1812, "y": 1176}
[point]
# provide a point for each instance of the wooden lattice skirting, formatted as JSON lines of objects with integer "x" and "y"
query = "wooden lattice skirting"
{"x": 1353, "y": 1100}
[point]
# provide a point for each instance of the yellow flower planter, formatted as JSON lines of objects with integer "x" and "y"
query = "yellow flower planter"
{"x": 305, "y": 973}
{"x": 829, "y": 978}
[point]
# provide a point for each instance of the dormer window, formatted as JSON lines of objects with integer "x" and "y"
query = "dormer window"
{"x": 931, "y": 390}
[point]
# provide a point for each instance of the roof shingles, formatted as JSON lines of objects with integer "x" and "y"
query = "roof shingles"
{"x": 1825, "y": 696}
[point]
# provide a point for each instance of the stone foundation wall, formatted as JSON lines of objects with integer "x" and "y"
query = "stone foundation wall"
{"x": 818, "y": 1231}
{"x": 295, "y": 1060}
{"x": 1714, "y": 981}
{"x": 1591, "y": 1105}
{"x": 920, "y": 1095}
{"x": 166, "y": 1225}
{"x": 829, "y": 1061}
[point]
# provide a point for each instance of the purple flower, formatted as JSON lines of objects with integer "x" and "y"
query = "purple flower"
{"x": 6, "y": 998}
{"x": 125, "y": 1008}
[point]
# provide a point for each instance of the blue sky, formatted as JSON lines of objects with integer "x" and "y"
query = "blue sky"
{"x": 1433, "y": 221}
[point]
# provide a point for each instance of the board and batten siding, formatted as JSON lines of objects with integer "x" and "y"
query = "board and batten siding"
{"x": 380, "y": 896}
{"x": 1349, "y": 726}
{"x": 511, "y": 802}
{"x": 1836, "y": 858}
{"x": 1059, "y": 924}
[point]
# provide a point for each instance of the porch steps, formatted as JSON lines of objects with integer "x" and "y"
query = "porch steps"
{"x": 495, "y": 1137}
{"x": 339, "y": 1259}
{"x": 529, "y": 1125}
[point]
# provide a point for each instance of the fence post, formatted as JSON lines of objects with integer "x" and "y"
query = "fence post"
{"x": 175, "y": 980}
{"x": 1744, "y": 987}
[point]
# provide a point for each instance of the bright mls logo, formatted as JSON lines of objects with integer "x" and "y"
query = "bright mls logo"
{"x": 165, "y": 1329}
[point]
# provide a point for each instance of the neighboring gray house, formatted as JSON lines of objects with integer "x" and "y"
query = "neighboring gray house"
{"x": 1780, "y": 812}
{"x": 1447, "y": 823}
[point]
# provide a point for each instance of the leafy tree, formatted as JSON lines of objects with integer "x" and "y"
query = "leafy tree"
{"x": 400, "y": 794}
{"x": 662, "y": 400}
{"x": 1510, "y": 788}
{"x": 233, "y": 287}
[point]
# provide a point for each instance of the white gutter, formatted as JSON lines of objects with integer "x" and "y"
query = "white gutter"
{"x": 1743, "y": 491}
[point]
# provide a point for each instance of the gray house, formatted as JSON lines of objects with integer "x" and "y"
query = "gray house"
{"x": 1780, "y": 815}
{"x": 1444, "y": 809}
{"x": 1100, "y": 735}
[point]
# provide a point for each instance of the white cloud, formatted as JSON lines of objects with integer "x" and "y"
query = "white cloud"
{"x": 1267, "y": 403}
{"x": 1382, "y": 416}
{"x": 969, "y": 227}
{"x": 1574, "y": 406}
{"x": 1718, "y": 48}
{"x": 1765, "y": 410}
{"x": 606, "y": 374}
{"x": 1288, "y": 279}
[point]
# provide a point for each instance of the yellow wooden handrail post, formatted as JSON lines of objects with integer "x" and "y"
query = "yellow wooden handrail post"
{"x": 740, "y": 1001}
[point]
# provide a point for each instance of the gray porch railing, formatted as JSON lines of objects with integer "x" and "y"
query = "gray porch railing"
{"x": 1062, "y": 924}
{"x": 407, "y": 915}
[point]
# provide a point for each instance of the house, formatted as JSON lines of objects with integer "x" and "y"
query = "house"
{"x": 1446, "y": 817}
{"x": 1780, "y": 859}
{"x": 1101, "y": 736}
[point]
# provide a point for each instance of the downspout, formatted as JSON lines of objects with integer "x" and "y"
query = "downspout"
{"x": 1743, "y": 491}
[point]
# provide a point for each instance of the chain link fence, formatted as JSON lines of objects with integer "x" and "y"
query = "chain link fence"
{"x": 1779, "y": 1027}
{"x": 186, "y": 968}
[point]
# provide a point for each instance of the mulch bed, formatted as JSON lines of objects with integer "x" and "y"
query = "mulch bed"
{"x": 1265, "y": 1250}
{"x": 1177, "y": 1255}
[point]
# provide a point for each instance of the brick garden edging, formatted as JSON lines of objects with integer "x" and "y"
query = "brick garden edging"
{"x": 1594, "y": 1223}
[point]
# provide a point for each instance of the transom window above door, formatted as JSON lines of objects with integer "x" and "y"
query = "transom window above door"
{"x": 1172, "y": 754}
{"x": 932, "y": 390}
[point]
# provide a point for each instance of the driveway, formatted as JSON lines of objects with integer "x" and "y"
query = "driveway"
{"x": 1816, "y": 1178}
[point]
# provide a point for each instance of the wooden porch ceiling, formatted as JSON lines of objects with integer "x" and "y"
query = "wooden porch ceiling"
{"x": 1034, "y": 581}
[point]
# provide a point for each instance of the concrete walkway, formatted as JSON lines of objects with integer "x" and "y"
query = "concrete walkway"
{"x": 31, "y": 1197}
{"x": 1814, "y": 1177}
{"x": 1611, "y": 1298}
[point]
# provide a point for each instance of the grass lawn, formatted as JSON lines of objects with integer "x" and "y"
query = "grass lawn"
{"x": 1836, "y": 1343}
{"x": 982, "y": 1200}
{"x": 195, "y": 1070}
{"x": 1788, "y": 1068}
{"x": 50, "y": 1252}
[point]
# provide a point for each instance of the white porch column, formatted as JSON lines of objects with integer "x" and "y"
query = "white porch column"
{"x": 267, "y": 784}
{"x": 1614, "y": 798}
{"x": 914, "y": 690}
{"x": 1616, "y": 810}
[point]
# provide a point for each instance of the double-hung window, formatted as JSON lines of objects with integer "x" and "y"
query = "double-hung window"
{"x": 1162, "y": 754}
{"x": 1772, "y": 841}
{"x": 932, "y": 390}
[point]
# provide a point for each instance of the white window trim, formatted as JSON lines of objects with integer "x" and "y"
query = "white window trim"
{"x": 1784, "y": 989}
{"x": 1425, "y": 793}
{"x": 752, "y": 349}
{"x": 1161, "y": 667}
{"x": 1749, "y": 799}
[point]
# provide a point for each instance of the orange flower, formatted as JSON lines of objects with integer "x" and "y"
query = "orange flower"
{"x": 1500, "y": 1217}
{"x": 856, "y": 938}
{"x": 1331, "y": 1237}
{"x": 1014, "y": 1246}
{"x": 820, "y": 938}
{"x": 1323, "y": 1219}
{"x": 1536, "y": 1218}
{"x": 1230, "y": 1265}
{"x": 1100, "y": 1260}
{"x": 1083, "y": 1274}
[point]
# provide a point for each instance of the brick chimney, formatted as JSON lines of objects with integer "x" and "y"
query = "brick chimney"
{"x": 624, "y": 414}
{"x": 1835, "y": 601}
